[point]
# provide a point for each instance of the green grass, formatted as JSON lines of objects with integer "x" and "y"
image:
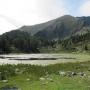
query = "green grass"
{"x": 59, "y": 83}
{"x": 34, "y": 73}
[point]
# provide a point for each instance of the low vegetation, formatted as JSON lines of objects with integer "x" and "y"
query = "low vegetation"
{"x": 66, "y": 76}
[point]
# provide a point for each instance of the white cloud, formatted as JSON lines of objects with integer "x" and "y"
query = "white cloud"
{"x": 30, "y": 12}
{"x": 51, "y": 8}
{"x": 85, "y": 8}
{"x": 5, "y": 26}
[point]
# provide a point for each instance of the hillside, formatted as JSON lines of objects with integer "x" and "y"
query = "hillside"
{"x": 64, "y": 33}
{"x": 36, "y": 28}
{"x": 60, "y": 28}
{"x": 17, "y": 42}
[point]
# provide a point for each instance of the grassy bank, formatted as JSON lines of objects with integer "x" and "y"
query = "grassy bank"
{"x": 32, "y": 77}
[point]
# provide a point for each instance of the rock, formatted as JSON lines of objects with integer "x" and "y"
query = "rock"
{"x": 50, "y": 79}
{"x": 42, "y": 79}
{"x": 71, "y": 74}
{"x": 74, "y": 73}
{"x": 62, "y": 73}
{"x": 4, "y": 81}
{"x": 28, "y": 79}
{"x": 82, "y": 74}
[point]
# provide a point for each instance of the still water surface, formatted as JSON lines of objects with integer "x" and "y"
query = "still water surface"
{"x": 36, "y": 59}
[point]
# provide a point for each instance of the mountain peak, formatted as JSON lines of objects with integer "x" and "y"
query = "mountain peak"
{"x": 67, "y": 16}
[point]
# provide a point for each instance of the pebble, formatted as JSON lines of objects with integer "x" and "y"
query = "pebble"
{"x": 4, "y": 81}
{"x": 42, "y": 79}
{"x": 28, "y": 79}
{"x": 62, "y": 73}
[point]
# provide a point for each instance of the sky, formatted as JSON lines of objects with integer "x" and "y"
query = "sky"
{"x": 16, "y": 13}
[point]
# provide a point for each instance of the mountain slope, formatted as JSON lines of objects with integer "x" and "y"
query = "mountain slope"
{"x": 67, "y": 33}
{"x": 60, "y": 28}
{"x": 36, "y": 28}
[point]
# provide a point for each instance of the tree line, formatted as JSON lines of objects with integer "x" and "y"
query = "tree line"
{"x": 22, "y": 42}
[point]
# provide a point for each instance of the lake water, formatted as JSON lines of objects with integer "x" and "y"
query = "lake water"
{"x": 36, "y": 59}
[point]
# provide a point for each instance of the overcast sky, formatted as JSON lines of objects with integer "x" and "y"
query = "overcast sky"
{"x": 15, "y": 13}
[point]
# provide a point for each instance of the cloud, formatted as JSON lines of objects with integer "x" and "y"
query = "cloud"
{"x": 29, "y": 12}
{"x": 32, "y": 11}
{"x": 85, "y": 8}
{"x": 5, "y": 26}
{"x": 51, "y": 8}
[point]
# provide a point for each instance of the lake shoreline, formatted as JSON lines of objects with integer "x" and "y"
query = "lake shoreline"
{"x": 42, "y": 59}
